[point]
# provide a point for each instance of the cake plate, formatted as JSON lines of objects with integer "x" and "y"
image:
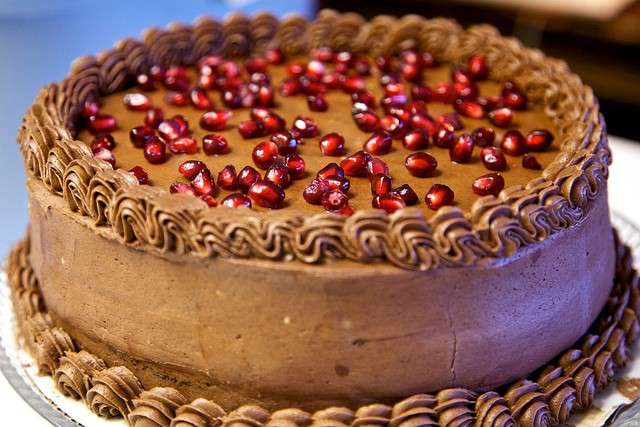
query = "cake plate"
{"x": 618, "y": 405}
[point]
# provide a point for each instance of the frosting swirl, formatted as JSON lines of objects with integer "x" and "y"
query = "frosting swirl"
{"x": 156, "y": 407}
{"x": 113, "y": 392}
{"x": 73, "y": 376}
{"x": 199, "y": 413}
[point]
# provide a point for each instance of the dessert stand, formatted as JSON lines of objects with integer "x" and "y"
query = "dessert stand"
{"x": 618, "y": 405}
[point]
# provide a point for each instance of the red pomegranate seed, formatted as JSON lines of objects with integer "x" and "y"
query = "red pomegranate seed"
{"x": 169, "y": 130}
{"x": 338, "y": 183}
{"x": 200, "y": 99}
{"x": 443, "y": 93}
{"x": 287, "y": 143}
{"x": 469, "y": 109}
{"x": 183, "y": 145}
{"x": 353, "y": 84}
{"x": 406, "y": 193}
{"x": 232, "y": 99}
{"x": 274, "y": 56}
{"x": 265, "y": 154}
{"x": 267, "y": 194}
{"x": 439, "y": 195}
{"x": 247, "y": 176}
{"x": 145, "y": 82}
{"x": 106, "y": 155}
{"x": 394, "y": 126}
{"x": 273, "y": 123}
{"x": 376, "y": 165}
{"x": 177, "y": 99}
{"x": 425, "y": 123}
{"x": 462, "y": 149}
{"x": 332, "y": 144}
{"x": 362, "y": 67}
{"x": 538, "y": 140}
{"x": 278, "y": 173}
{"x": 102, "y": 123}
{"x": 489, "y": 184}
{"x": 175, "y": 72}
{"x": 367, "y": 121}
{"x": 155, "y": 151}
{"x": 364, "y": 97}
{"x": 421, "y": 164}
{"x": 103, "y": 141}
{"x": 141, "y": 175}
{"x": 203, "y": 183}
{"x": 264, "y": 97}
{"x": 251, "y": 129}
{"x": 229, "y": 69}
{"x": 451, "y": 119}
{"x": 334, "y": 200}
{"x": 210, "y": 200}
{"x": 181, "y": 187}
{"x": 295, "y": 165}
{"x": 380, "y": 184}
{"x": 190, "y": 168}
{"x": 379, "y": 143}
{"x": 153, "y": 117}
{"x": 136, "y": 102}
{"x": 295, "y": 69}
{"x": 483, "y": 136}
{"x": 215, "y": 144}
{"x": 139, "y": 135}
{"x": 444, "y": 136}
{"x": 394, "y": 89}
{"x": 236, "y": 200}
{"x": 317, "y": 103}
{"x": 493, "y": 159}
{"x": 256, "y": 65}
{"x": 384, "y": 63}
{"x": 417, "y": 139}
{"x": 411, "y": 72}
{"x": 315, "y": 69}
{"x": 502, "y": 117}
{"x": 215, "y": 120}
{"x": 466, "y": 91}
{"x": 530, "y": 162}
{"x": 458, "y": 75}
{"x": 290, "y": 87}
{"x": 90, "y": 108}
{"x": 324, "y": 54}
{"x": 395, "y": 101}
{"x": 314, "y": 190}
{"x": 389, "y": 203}
{"x": 305, "y": 126}
{"x": 228, "y": 178}
{"x": 355, "y": 164}
{"x": 477, "y": 67}
{"x": 514, "y": 99}
{"x": 157, "y": 72}
{"x": 513, "y": 143}
{"x": 420, "y": 92}
{"x": 331, "y": 169}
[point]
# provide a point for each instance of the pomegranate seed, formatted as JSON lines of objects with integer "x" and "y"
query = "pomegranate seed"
{"x": 417, "y": 139}
{"x": 338, "y": 183}
{"x": 251, "y": 129}
{"x": 273, "y": 123}
{"x": 466, "y": 91}
{"x": 367, "y": 121}
{"x": 362, "y": 67}
{"x": 483, "y": 136}
{"x": 458, "y": 75}
{"x": 106, "y": 155}
{"x": 421, "y": 164}
{"x": 176, "y": 77}
{"x": 177, "y": 99}
{"x": 227, "y": 178}
{"x": 439, "y": 195}
{"x": 141, "y": 175}
{"x": 395, "y": 101}
{"x": 246, "y": 178}
{"x": 513, "y": 143}
{"x": 334, "y": 200}
{"x": 376, "y": 165}
{"x": 102, "y": 123}
{"x": 229, "y": 69}
{"x": 514, "y": 99}
{"x": 393, "y": 126}
{"x": 295, "y": 165}
{"x": 267, "y": 194}
{"x": 215, "y": 144}
{"x": 278, "y": 173}
{"x": 286, "y": 143}
{"x": 332, "y": 80}
{"x": 491, "y": 183}
{"x": 317, "y": 103}
{"x": 493, "y": 159}
{"x": 421, "y": 93}
{"x": 378, "y": 143}
{"x": 155, "y": 151}
{"x": 256, "y": 65}
{"x": 232, "y": 99}
{"x": 190, "y": 168}
{"x": 169, "y": 130}
{"x": 389, "y": 203}
{"x": 210, "y": 200}
{"x": 502, "y": 117}
{"x": 153, "y": 117}
{"x": 469, "y": 109}
{"x": 364, "y": 97}
{"x": 406, "y": 193}
{"x": 264, "y": 97}
{"x": 136, "y": 102}
{"x": 139, "y": 135}
{"x": 290, "y": 87}
{"x": 183, "y": 145}
{"x": 491, "y": 103}
{"x": 332, "y": 169}
{"x": 384, "y": 63}
{"x": 181, "y": 187}
{"x": 145, "y": 82}
{"x": 332, "y": 144}
{"x": 380, "y": 184}
{"x": 530, "y": 162}
{"x": 389, "y": 78}
{"x": 411, "y": 72}
{"x": 265, "y": 154}
{"x": 444, "y": 136}
{"x": 90, "y": 108}
{"x": 215, "y": 120}
{"x": 443, "y": 93}
{"x": 462, "y": 149}
{"x": 315, "y": 69}
{"x": 417, "y": 108}
{"x": 157, "y": 73}
{"x": 295, "y": 69}
{"x": 324, "y": 54}
{"x": 353, "y": 84}
{"x": 477, "y": 67}
{"x": 451, "y": 119}
{"x": 203, "y": 183}
{"x": 103, "y": 141}
{"x": 274, "y": 56}
{"x": 538, "y": 140}
{"x": 356, "y": 164}
{"x": 236, "y": 200}
{"x": 425, "y": 123}
{"x": 260, "y": 78}
{"x": 200, "y": 99}
{"x": 305, "y": 126}
{"x": 394, "y": 89}
{"x": 314, "y": 191}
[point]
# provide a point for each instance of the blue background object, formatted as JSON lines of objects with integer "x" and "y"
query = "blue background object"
{"x": 40, "y": 38}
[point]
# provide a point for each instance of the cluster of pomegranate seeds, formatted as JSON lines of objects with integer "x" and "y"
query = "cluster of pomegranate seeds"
{"x": 329, "y": 189}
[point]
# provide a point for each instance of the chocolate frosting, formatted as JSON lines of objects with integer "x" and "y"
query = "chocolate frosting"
{"x": 494, "y": 228}
{"x": 51, "y": 345}
{"x": 113, "y": 392}
{"x": 199, "y": 413}
{"x": 156, "y": 407}
{"x": 73, "y": 376}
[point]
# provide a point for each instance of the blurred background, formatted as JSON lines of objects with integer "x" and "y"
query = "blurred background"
{"x": 600, "y": 39}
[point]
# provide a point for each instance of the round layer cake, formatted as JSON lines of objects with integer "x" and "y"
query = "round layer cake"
{"x": 328, "y": 212}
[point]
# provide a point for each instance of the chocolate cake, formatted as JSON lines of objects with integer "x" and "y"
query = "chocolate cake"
{"x": 386, "y": 222}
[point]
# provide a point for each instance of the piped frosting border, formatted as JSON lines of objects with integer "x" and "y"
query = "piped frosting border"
{"x": 547, "y": 398}
{"x": 152, "y": 219}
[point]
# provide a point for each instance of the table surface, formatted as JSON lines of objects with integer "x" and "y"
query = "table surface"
{"x": 623, "y": 196}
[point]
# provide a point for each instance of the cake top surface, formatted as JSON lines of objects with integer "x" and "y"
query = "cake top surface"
{"x": 516, "y": 206}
